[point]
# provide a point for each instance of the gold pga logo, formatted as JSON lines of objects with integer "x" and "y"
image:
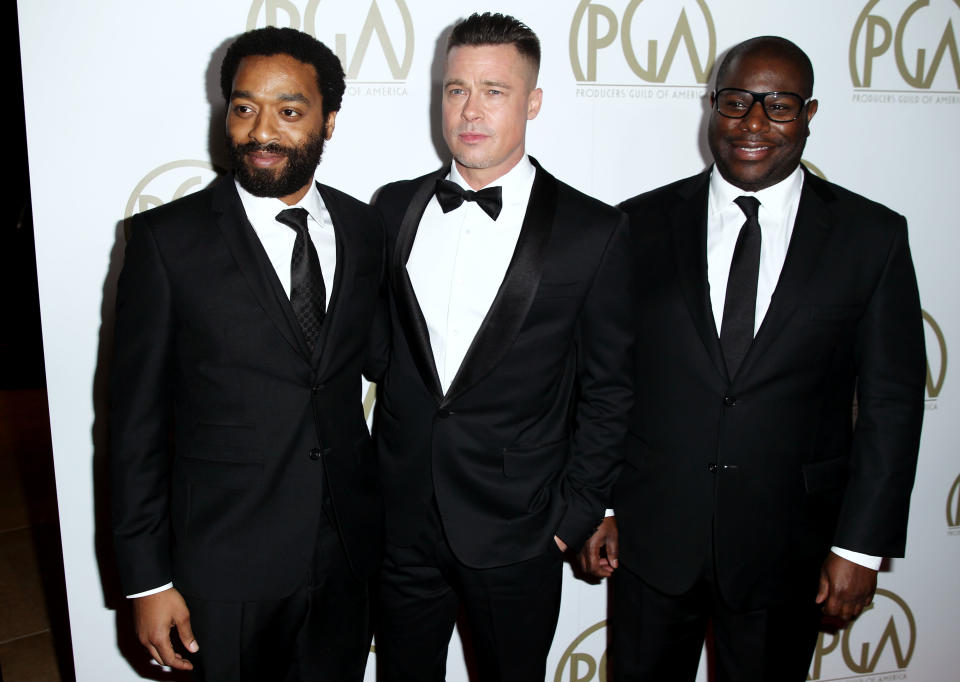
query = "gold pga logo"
{"x": 386, "y": 66}
{"x": 168, "y": 182}
{"x": 880, "y": 642}
{"x": 585, "y": 660}
{"x": 936, "y": 358}
{"x": 895, "y": 44}
{"x": 953, "y": 508}
{"x": 650, "y": 42}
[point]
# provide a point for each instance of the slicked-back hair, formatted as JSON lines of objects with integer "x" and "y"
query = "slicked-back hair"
{"x": 493, "y": 28}
{"x": 269, "y": 41}
{"x": 772, "y": 46}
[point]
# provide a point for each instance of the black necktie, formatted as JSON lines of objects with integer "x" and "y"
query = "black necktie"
{"x": 451, "y": 196}
{"x": 740, "y": 305}
{"x": 308, "y": 296}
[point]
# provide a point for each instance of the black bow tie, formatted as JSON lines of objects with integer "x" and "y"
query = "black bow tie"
{"x": 450, "y": 195}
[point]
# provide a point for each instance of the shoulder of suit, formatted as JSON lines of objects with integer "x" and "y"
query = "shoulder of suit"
{"x": 344, "y": 200}
{"x": 665, "y": 196}
{"x": 570, "y": 197}
{"x": 192, "y": 205}
{"x": 847, "y": 204}
{"x": 403, "y": 190}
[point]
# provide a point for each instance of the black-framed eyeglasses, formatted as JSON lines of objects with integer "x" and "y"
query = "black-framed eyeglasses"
{"x": 780, "y": 107}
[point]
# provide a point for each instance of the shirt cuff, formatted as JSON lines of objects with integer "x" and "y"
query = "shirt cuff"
{"x": 149, "y": 592}
{"x": 866, "y": 560}
{"x": 608, "y": 513}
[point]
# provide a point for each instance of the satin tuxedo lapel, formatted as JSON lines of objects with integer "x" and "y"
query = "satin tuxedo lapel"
{"x": 689, "y": 232}
{"x": 810, "y": 232}
{"x": 254, "y": 264}
{"x": 411, "y": 317}
{"x": 509, "y": 309}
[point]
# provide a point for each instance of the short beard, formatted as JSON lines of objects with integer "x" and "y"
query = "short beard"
{"x": 301, "y": 165}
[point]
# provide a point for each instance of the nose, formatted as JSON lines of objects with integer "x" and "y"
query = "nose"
{"x": 471, "y": 108}
{"x": 755, "y": 119}
{"x": 263, "y": 130}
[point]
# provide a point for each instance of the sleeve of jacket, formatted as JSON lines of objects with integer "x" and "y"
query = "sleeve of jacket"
{"x": 891, "y": 366}
{"x": 140, "y": 386}
{"x": 605, "y": 369}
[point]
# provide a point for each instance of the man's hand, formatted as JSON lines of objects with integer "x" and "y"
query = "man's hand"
{"x": 153, "y": 616}
{"x": 598, "y": 557}
{"x": 846, "y": 588}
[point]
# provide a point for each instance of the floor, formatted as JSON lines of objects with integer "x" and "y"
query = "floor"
{"x": 34, "y": 630}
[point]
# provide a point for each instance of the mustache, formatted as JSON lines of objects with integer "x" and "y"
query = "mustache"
{"x": 269, "y": 148}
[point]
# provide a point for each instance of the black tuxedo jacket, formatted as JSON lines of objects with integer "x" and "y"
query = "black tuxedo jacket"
{"x": 526, "y": 441}
{"x": 769, "y": 461}
{"x": 226, "y": 431}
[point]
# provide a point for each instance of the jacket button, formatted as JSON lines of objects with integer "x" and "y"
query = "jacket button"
{"x": 315, "y": 454}
{"x": 443, "y": 413}
{"x": 316, "y": 389}
{"x": 712, "y": 467}
{"x": 729, "y": 400}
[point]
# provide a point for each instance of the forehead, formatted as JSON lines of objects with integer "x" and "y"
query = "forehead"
{"x": 763, "y": 72}
{"x": 488, "y": 62}
{"x": 276, "y": 73}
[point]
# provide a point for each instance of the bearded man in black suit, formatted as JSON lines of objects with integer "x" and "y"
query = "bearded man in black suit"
{"x": 767, "y": 301}
{"x": 246, "y": 507}
{"x": 504, "y": 406}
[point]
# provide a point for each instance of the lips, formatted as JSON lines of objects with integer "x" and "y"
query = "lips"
{"x": 750, "y": 150}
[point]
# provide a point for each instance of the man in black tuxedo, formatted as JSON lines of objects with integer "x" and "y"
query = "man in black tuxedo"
{"x": 503, "y": 409}
{"x": 767, "y": 301}
{"x": 246, "y": 505}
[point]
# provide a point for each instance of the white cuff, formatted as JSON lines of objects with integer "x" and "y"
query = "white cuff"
{"x": 608, "y": 513}
{"x": 866, "y": 560}
{"x": 149, "y": 592}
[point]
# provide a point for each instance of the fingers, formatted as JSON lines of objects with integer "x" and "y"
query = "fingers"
{"x": 186, "y": 634}
{"x": 613, "y": 550}
{"x": 154, "y": 616}
{"x": 846, "y": 588}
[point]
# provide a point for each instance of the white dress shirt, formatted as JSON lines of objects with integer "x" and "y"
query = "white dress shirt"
{"x": 778, "y": 212}
{"x": 277, "y": 240}
{"x": 458, "y": 262}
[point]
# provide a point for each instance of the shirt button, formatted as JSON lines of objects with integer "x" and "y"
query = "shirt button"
{"x": 315, "y": 454}
{"x": 729, "y": 400}
{"x": 712, "y": 467}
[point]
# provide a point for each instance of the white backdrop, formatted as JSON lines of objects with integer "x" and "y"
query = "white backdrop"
{"x": 123, "y": 113}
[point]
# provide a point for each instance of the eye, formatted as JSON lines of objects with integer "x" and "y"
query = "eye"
{"x": 455, "y": 91}
{"x": 289, "y": 112}
{"x": 241, "y": 109}
{"x": 494, "y": 92}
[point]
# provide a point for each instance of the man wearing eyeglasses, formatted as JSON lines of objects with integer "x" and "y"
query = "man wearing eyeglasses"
{"x": 754, "y": 497}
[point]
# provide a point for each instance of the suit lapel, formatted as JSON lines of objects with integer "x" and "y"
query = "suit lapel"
{"x": 254, "y": 264}
{"x": 341, "y": 274}
{"x": 689, "y": 232}
{"x": 408, "y": 309}
{"x": 506, "y": 315}
{"x": 810, "y": 232}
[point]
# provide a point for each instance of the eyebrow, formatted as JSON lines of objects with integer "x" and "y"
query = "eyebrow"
{"x": 495, "y": 84}
{"x": 282, "y": 97}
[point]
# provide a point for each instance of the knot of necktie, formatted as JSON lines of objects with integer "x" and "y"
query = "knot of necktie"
{"x": 450, "y": 195}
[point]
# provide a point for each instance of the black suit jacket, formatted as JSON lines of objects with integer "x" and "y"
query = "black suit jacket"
{"x": 525, "y": 442}
{"x": 769, "y": 461}
{"x": 226, "y": 432}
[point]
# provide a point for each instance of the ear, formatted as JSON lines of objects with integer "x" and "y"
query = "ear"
{"x": 329, "y": 125}
{"x": 811, "y": 110}
{"x": 534, "y": 100}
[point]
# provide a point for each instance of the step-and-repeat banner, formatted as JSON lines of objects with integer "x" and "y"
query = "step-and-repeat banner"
{"x": 124, "y": 113}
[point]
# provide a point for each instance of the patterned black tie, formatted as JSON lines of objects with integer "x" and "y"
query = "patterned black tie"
{"x": 308, "y": 296}
{"x": 740, "y": 305}
{"x": 450, "y": 195}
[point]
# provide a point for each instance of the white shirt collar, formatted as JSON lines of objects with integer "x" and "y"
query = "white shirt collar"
{"x": 516, "y": 182}
{"x": 260, "y": 210}
{"x": 778, "y": 198}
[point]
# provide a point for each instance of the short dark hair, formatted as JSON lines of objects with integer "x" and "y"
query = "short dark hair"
{"x": 269, "y": 41}
{"x": 773, "y": 46}
{"x": 493, "y": 28}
